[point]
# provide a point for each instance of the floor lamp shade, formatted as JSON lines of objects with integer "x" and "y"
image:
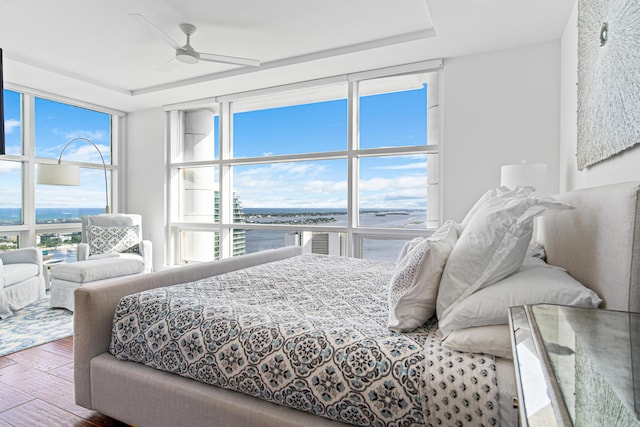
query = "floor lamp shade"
{"x": 69, "y": 174}
{"x": 531, "y": 174}
{"x": 58, "y": 174}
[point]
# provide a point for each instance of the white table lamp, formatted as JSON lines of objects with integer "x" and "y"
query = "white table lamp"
{"x": 531, "y": 174}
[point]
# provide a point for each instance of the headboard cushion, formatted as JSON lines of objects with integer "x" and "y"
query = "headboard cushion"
{"x": 599, "y": 241}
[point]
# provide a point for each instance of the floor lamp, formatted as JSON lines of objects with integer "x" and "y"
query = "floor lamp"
{"x": 59, "y": 174}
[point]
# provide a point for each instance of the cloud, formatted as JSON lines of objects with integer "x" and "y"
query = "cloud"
{"x": 417, "y": 165}
{"x": 80, "y": 151}
{"x": 87, "y": 153}
{"x": 11, "y": 196}
{"x": 6, "y": 167}
{"x": 69, "y": 197}
{"x": 400, "y": 192}
{"x": 93, "y": 135}
{"x": 294, "y": 184}
{"x": 399, "y": 182}
{"x": 323, "y": 187}
{"x": 10, "y": 125}
{"x": 305, "y": 169}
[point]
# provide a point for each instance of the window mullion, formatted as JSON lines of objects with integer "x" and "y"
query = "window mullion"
{"x": 352, "y": 168}
{"x": 226, "y": 179}
{"x": 28, "y": 170}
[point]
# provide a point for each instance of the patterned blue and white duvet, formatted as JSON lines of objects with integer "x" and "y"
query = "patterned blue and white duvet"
{"x": 308, "y": 332}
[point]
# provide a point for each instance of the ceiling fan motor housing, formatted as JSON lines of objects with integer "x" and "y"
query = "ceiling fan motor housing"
{"x": 187, "y": 55}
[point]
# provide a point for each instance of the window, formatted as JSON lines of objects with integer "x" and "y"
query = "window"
{"x": 38, "y": 129}
{"x": 13, "y": 122}
{"x": 301, "y": 122}
{"x": 294, "y": 187}
{"x": 9, "y": 242}
{"x": 66, "y": 203}
{"x": 405, "y": 124}
{"x": 57, "y": 123}
{"x": 11, "y": 195}
{"x": 338, "y": 166}
{"x": 382, "y": 249}
{"x": 199, "y": 194}
{"x": 199, "y": 246}
{"x": 393, "y": 191}
{"x": 201, "y": 136}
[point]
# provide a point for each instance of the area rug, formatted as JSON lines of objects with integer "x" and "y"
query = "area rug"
{"x": 34, "y": 325}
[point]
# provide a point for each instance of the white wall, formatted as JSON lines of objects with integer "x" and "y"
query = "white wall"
{"x": 145, "y": 182}
{"x": 499, "y": 108}
{"x": 620, "y": 168}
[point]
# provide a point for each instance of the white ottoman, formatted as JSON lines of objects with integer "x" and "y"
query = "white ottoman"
{"x": 65, "y": 278}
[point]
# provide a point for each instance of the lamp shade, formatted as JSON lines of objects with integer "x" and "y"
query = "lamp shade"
{"x": 58, "y": 174}
{"x": 531, "y": 174}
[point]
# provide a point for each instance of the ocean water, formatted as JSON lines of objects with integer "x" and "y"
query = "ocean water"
{"x": 13, "y": 216}
{"x": 378, "y": 249}
{"x": 258, "y": 240}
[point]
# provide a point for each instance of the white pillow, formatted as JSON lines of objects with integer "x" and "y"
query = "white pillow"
{"x": 493, "y": 193}
{"x": 491, "y": 246}
{"x": 408, "y": 247}
{"x": 108, "y": 240}
{"x": 414, "y": 283}
{"x": 535, "y": 283}
{"x": 494, "y": 340}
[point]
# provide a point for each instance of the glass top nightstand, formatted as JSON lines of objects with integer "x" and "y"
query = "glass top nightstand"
{"x": 576, "y": 366}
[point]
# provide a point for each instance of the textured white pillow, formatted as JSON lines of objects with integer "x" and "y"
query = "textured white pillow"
{"x": 536, "y": 282}
{"x": 494, "y": 340}
{"x": 520, "y": 191}
{"x": 491, "y": 246}
{"x": 414, "y": 284}
{"x": 108, "y": 240}
{"x": 408, "y": 247}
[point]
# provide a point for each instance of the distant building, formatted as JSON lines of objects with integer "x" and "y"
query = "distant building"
{"x": 201, "y": 246}
{"x": 239, "y": 238}
{"x": 317, "y": 242}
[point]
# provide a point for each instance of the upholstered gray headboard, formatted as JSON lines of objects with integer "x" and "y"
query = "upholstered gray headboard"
{"x": 599, "y": 241}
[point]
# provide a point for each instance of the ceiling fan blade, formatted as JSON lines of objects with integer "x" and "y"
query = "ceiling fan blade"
{"x": 229, "y": 59}
{"x": 155, "y": 30}
{"x": 168, "y": 66}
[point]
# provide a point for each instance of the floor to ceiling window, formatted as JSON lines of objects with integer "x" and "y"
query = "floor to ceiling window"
{"x": 346, "y": 166}
{"x": 38, "y": 129}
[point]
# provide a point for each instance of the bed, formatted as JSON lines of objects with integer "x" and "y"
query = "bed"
{"x": 117, "y": 374}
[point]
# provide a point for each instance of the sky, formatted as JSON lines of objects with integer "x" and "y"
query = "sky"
{"x": 393, "y": 119}
{"x": 389, "y": 120}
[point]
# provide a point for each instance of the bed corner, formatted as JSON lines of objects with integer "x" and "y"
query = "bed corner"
{"x": 95, "y": 306}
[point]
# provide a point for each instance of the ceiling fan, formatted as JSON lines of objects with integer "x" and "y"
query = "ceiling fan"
{"x": 186, "y": 53}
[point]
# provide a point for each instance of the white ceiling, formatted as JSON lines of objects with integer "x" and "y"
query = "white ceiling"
{"x": 93, "y": 51}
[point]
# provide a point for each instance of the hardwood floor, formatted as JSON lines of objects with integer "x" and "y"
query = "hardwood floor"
{"x": 36, "y": 389}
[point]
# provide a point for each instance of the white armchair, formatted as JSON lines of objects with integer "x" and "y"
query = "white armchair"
{"x": 21, "y": 279}
{"x": 99, "y": 242}
{"x": 111, "y": 247}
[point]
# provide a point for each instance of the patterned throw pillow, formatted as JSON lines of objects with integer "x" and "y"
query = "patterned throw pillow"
{"x": 414, "y": 284}
{"x": 108, "y": 240}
